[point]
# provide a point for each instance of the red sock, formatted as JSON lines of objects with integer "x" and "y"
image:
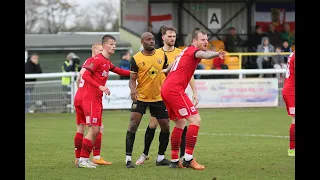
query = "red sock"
{"x": 86, "y": 148}
{"x": 191, "y": 138}
{"x": 292, "y": 136}
{"x": 78, "y": 144}
{"x": 175, "y": 142}
{"x": 97, "y": 145}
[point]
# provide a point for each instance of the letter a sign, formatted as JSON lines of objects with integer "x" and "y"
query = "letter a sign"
{"x": 214, "y": 18}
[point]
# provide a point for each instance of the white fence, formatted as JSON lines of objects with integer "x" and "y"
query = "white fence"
{"x": 48, "y": 95}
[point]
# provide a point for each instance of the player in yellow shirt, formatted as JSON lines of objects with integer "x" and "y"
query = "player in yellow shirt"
{"x": 145, "y": 82}
{"x": 169, "y": 39}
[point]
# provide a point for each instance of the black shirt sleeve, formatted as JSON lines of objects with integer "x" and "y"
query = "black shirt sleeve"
{"x": 165, "y": 64}
{"x": 133, "y": 66}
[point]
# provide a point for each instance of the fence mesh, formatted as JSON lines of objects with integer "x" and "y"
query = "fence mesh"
{"x": 47, "y": 96}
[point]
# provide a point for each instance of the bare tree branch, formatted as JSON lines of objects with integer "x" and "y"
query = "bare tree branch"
{"x": 52, "y": 16}
{"x": 99, "y": 16}
{"x": 31, "y": 15}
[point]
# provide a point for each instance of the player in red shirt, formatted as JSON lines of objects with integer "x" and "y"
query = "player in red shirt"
{"x": 180, "y": 108}
{"x": 288, "y": 93}
{"x": 81, "y": 119}
{"x": 95, "y": 77}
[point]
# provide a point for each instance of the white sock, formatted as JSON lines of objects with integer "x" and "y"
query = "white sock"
{"x": 188, "y": 157}
{"x": 83, "y": 159}
{"x": 174, "y": 160}
{"x": 160, "y": 158}
{"x": 96, "y": 157}
{"x": 128, "y": 158}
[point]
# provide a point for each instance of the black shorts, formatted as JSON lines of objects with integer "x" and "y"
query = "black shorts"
{"x": 157, "y": 109}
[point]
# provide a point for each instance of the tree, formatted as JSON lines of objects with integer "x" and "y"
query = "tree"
{"x": 100, "y": 16}
{"x": 53, "y": 15}
{"x": 31, "y": 15}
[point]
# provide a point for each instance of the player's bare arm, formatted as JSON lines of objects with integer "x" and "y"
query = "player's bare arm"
{"x": 195, "y": 98}
{"x": 209, "y": 54}
{"x": 133, "y": 86}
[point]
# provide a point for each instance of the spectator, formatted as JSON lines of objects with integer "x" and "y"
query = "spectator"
{"x": 278, "y": 60}
{"x": 32, "y": 66}
{"x": 255, "y": 39}
{"x": 125, "y": 62}
{"x": 71, "y": 64}
{"x": 286, "y": 48}
{"x": 233, "y": 41}
{"x": 218, "y": 63}
{"x": 264, "y": 47}
{"x": 287, "y": 34}
{"x": 274, "y": 36}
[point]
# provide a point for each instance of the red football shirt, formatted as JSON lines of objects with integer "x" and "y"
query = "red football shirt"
{"x": 80, "y": 90}
{"x": 182, "y": 69}
{"x": 289, "y": 82}
{"x": 99, "y": 67}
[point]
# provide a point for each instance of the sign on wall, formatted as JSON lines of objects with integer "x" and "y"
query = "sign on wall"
{"x": 214, "y": 18}
{"x": 221, "y": 93}
{"x": 120, "y": 95}
{"x": 217, "y": 93}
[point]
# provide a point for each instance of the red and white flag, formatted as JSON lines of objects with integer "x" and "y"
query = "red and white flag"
{"x": 276, "y": 13}
{"x": 160, "y": 15}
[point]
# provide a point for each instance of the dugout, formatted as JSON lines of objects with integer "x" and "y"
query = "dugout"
{"x": 136, "y": 15}
{"x": 53, "y": 48}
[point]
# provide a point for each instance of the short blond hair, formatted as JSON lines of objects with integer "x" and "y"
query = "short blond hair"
{"x": 95, "y": 46}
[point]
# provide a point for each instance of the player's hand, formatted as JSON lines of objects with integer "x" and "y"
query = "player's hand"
{"x": 222, "y": 54}
{"x": 105, "y": 90}
{"x": 134, "y": 95}
{"x": 195, "y": 99}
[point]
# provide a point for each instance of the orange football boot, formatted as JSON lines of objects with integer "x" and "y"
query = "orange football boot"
{"x": 76, "y": 162}
{"x": 101, "y": 161}
{"x": 193, "y": 164}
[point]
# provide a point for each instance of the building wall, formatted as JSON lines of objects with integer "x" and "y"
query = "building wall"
{"x": 134, "y": 40}
{"x": 200, "y": 10}
{"x": 134, "y": 15}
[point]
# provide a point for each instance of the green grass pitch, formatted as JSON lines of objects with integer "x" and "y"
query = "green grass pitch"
{"x": 234, "y": 144}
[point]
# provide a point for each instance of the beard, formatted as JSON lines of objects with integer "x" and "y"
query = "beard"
{"x": 150, "y": 48}
{"x": 170, "y": 43}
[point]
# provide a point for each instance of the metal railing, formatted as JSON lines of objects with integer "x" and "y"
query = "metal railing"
{"x": 47, "y": 94}
{"x": 241, "y": 54}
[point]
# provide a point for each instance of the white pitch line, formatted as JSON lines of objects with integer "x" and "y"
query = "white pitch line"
{"x": 243, "y": 135}
{"x": 229, "y": 134}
